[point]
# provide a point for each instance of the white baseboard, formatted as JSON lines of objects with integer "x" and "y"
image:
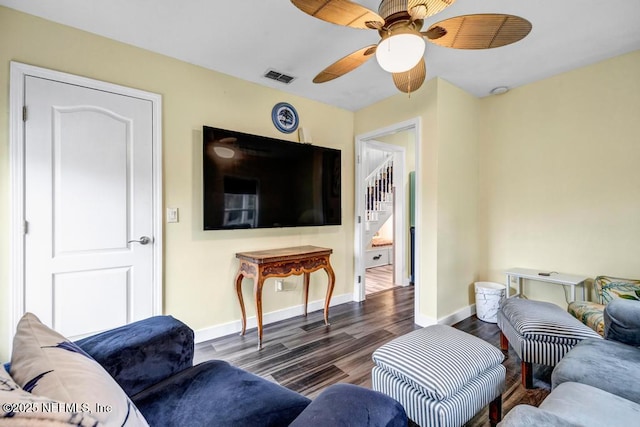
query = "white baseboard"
{"x": 451, "y": 319}
{"x": 424, "y": 321}
{"x": 235, "y": 327}
{"x": 459, "y": 315}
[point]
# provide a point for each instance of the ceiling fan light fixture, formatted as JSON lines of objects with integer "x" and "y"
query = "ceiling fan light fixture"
{"x": 400, "y": 50}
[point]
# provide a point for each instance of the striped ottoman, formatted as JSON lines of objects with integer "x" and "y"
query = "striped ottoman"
{"x": 539, "y": 332}
{"x": 442, "y": 376}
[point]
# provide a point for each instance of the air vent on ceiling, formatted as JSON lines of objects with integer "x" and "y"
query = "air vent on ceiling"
{"x": 278, "y": 76}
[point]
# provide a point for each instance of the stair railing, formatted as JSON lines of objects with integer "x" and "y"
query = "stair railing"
{"x": 379, "y": 193}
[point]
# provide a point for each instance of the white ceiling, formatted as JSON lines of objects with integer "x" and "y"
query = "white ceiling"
{"x": 246, "y": 38}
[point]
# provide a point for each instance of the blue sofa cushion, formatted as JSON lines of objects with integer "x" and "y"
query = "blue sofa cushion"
{"x": 142, "y": 353}
{"x": 353, "y": 406}
{"x": 608, "y": 365}
{"x": 214, "y": 393}
{"x": 622, "y": 321}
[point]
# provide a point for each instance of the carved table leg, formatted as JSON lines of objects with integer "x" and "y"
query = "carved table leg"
{"x": 239, "y": 278}
{"x": 257, "y": 290}
{"x": 306, "y": 291}
{"x": 327, "y": 300}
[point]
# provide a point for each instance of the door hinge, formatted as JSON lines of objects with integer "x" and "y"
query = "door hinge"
{"x": 359, "y": 219}
{"x": 26, "y": 227}
{"x": 358, "y": 158}
{"x": 359, "y": 279}
{"x": 24, "y": 113}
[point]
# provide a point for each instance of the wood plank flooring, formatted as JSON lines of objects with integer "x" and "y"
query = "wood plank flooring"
{"x": 306, "y": 356}
{"x": 378, "y": 279}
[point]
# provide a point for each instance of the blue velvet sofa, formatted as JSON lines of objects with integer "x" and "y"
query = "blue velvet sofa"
{"x": 597, "y": 383}
{"x": 152, "y": 360}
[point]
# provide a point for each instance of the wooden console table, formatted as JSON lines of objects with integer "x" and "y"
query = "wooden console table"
{"x": 261, "y": 265}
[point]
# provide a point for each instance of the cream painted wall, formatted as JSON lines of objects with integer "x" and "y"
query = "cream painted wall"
{"x": 560, "y": 188}
{"x": 554, "y": 186}
{"x": 199, "y": 266}
{"x": 397, "y": 109}
{"x": 457, "y": 199}
{"x": 447, "y": 187}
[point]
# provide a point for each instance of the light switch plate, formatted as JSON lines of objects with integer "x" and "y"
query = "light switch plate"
{"x": 172, "y": 214}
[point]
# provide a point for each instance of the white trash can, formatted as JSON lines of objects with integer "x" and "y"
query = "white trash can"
{"x": 488, "y": 298}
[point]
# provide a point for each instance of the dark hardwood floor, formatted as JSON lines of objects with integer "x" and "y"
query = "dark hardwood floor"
{"x": 306, "y": 356}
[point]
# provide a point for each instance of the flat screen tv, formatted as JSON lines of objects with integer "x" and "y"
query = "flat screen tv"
{"x": 252, "y": 181}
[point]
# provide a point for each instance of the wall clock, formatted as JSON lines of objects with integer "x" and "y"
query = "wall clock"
{"x": 285, "y": 117}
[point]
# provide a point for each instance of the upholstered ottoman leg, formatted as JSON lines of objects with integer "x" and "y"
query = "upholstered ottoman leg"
{"x": 504, "y": 342}
{"x": 495, "y": 411}
{"x": 526, "y": 371}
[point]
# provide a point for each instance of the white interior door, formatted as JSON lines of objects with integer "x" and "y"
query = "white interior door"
{"x": 88, "y": 207}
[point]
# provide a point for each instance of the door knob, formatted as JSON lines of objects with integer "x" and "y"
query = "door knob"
{"x": 144, "y": 240}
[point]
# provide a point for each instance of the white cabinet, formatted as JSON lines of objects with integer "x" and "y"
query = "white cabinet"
{"x": 376, "y": 257}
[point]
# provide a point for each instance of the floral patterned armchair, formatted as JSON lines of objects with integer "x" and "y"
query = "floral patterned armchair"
{"x": 607, "y": 289}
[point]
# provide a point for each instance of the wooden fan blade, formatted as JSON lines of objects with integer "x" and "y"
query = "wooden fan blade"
{"x": 341, "y": 12}
{"x": 482, "y": 31}
{"x": 411, "y": 80}
{"x": 421, "y": 9}
{"x": 346, "y": 64}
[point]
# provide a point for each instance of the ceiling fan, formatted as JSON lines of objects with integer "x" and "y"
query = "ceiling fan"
{"x": 401, "y": 47}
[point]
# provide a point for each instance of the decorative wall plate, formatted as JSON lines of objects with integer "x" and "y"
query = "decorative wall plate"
{"x": 285, "y": 117}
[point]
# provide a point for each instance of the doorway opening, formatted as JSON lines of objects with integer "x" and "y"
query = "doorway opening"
{"x": 383, "y": 164}
{"x": 385, "y": 208}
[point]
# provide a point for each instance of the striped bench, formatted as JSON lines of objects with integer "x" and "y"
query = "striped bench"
{"x": 539, "y": 332}
{"x": 442, "y": 376}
